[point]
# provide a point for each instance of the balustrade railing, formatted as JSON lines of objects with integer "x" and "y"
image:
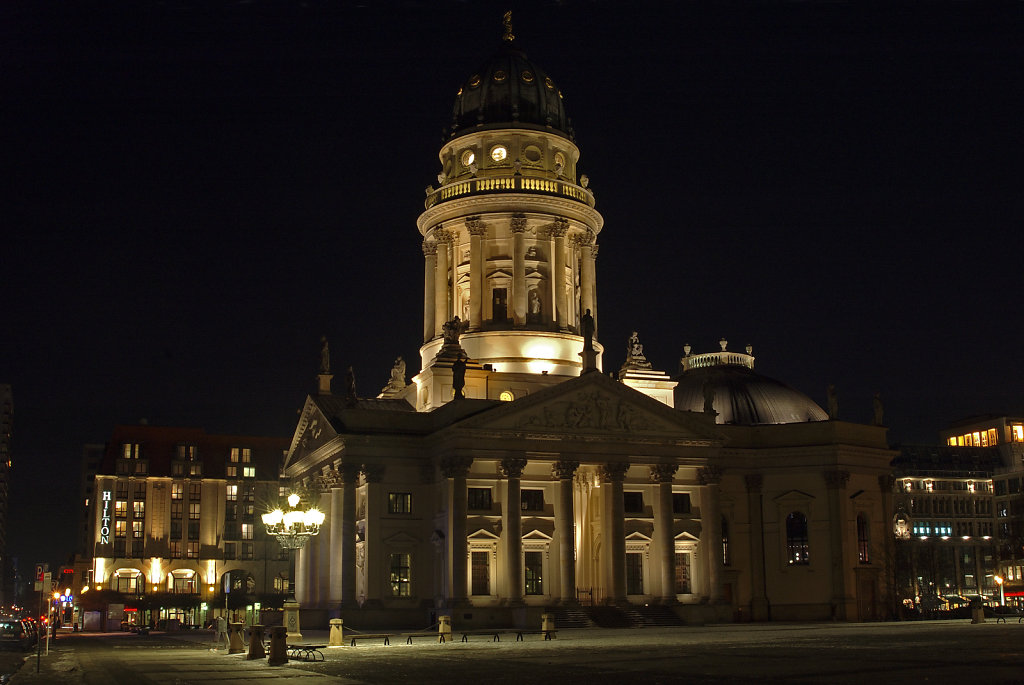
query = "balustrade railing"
{"x": 497, "y": 184}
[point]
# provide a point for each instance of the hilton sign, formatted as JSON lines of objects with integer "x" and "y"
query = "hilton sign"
{"x": 105, "y": 519}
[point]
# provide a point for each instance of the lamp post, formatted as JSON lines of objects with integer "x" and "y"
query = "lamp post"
{"x": 291, "y": 529}
{"x": 1002, "y": 592}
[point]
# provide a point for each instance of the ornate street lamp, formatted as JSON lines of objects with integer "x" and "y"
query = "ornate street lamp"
{"x": 292, "y": 529}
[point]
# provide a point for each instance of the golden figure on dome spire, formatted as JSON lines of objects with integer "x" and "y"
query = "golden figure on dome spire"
{"x": 508, "y": 37}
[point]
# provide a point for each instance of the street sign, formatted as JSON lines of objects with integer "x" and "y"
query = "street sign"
{"x": 40, "y": 570}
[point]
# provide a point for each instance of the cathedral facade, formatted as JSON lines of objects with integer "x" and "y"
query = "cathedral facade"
{"x": 513, "y": 475}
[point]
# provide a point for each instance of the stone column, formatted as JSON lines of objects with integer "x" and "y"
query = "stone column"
{"x": 477, "y": 230}
{"x": 455, "y": 469}
{"x": 334, "y": 594}
{"x": 323, "y": 548}
{"x": 441, "y": 278}
{"x": 565, "y": 521}
{"x": 593, "y": 286}
{"x": 429, "y": 289}
{"x": 835, "y": 482}
{"x": 612, "y": 474}
{"x": 519, "y": 303}
{"x": 586, "y": 276}
{"x": 755, "y": 511}
{"x": 349, "y": 474}
{"x": 558, "y": 231}
{"x": 512, "y": 528}
{"x": 711, "y": 529}
{"x": 664, "y": 530}
{"x": 302, "y": 576}
{"x": 373, "y": 557}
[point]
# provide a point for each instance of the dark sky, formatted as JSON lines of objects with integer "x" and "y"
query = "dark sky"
{"x": 195, "y": 192}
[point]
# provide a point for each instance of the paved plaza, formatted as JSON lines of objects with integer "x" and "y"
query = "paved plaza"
{"x": 939, "y": 651}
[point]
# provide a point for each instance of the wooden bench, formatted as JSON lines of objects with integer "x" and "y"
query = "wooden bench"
{"x": 306, "y": 652}
{"x": 495, "y": 634}
{"x": 1002, "y": 616}
{"x": 372, "y": 636}
{"x": 548, "y": 634}
{"x": 409, "y": 636}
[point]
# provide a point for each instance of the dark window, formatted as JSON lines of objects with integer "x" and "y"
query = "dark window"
{"x": 480, "y": 499}
{"x": 176, "y": 529}
{"x": 481, "y": 573}
{"x": 499, "y": 304}
{"x": 399, "y": 502}
{"x": 682, "y": 573}
{"x": 195, "y": 491}
{"x": 680, "y": 503}
{"x": 1000, "y": 486}
{"x": 1014, "y": 485}
{"x": 533, "y": 563}
{"x": 193, "y": 530}
{"x": 634, "y": 502}
{"x": 863, "y": 540}
{"x": 229, "y": 550}
{"x": 400, "y": 575}
{"x": 532, "y": 500}
{"x": 726, "y": 558}
{"x": 247, "y": 550}
{"x": 796, "y": 539}
{"x": 122, "y": 489}
{"x": 634, "y": 573}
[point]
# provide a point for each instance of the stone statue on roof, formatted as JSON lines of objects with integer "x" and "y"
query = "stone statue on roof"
{"x": 459, "y": 377}
{"x": 451, "y": 330}
{"x": 350, "y": 384}
{"x": 325, "y": 355}
{"x": 879, "y": 409}
{"x": 833, "y": 402}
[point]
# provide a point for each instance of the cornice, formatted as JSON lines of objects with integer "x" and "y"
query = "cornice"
{"x": 509, "y": 202}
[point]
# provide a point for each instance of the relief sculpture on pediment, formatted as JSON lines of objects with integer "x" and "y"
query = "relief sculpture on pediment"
{"x": 589, "y": 410}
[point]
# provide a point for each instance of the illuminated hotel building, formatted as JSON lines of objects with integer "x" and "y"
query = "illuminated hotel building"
{"x": 716, "y": 495}
{"x": 176, "y": 511}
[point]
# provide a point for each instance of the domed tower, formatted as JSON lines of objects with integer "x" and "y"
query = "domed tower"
{"x": 509, "y": 237}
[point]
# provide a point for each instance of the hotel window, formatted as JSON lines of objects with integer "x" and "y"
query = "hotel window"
{"x": 533, "y": 566}
{"x": 633, "y": 502}
{"x": 175, "y": 549}
{"x": 229, "y": 550}
{"x": 400, "y": 575}
{"x": 120, "y": 546}
{"x": 797, "y": 551}
{"x": 137, "y": 530}
{"x": 248, "y": 472}
{"x": 121, "y": 508}
{"x": 481, "y": 572}
{"x": 479, "y": 500}
{"x": 726, "y": 557}
{"x": 247, "y": 549}
{"x": 130, "y": 450}
{"x": 195, "y": 468}
{"x": 128, "y": 585}
{"x": 138, "y": 509}
{"x": 399, "y": 502}
{"x": 1017, "y": 432}
{"x": 863, "y": 540}
{"x": 195, "y": 492}
{"x": 122, "y": 489}
{"x": 193, "y": 530}
{"x": 634, "y": 573}
{"x": 184, "y": 585}
{"x": 193, "y": 510}
{"x": 247, "y": 531}
{"x": 231, "y": 471}
{"x": 532, "y": 500}
{"x": 176, "y": 529}
{"x": 680, "y": 503}
{"x": 682, "y": 573}
{"x": 176, "y": 510}
{"x": 232, "y": 493}
{"x": 192, "y": 550}
{"x": 140, "y": 490}
{"x": 187, "y": 452}
{"x": 120, "y": 529}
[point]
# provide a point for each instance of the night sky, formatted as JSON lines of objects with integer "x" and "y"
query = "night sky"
{"x": 195, "y": 192}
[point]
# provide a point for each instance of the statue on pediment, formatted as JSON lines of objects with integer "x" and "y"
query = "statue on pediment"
{"x": 451, "y": 330}
{"x": 325, "y": 356}
{"x": 459, "y": 377}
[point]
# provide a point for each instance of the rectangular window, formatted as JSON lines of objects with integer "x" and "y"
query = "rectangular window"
{"x": 680, "y": 503}
{"x": 175, "y": 529}
{"x": 633, "y": 502}
{"x": 186, "y": 452}
{"x": 195, "y": 491}
{"x": 193, "y": 530}
{"x": 130, "y": 450}
{"x": 178, "y": 468}
{"x": 184, "y": 585}
{"x": 683, "y": 573}
{"x": 138, "y": 509}
{"x": 533, "y": 567}
{"x": 634, "y": 573}
{"x": 176, "y": 509}
{"x": 175, "y": 549}
{"x": 120, "y": 545}
{"x": 400, "y": 575}
{"x": 177, "y": 489}
{"x": 192, "y": 550}
{"x": 140, "y": 490}
{"x": 233, "y": 455}
{"x": 137, "y": 530}
{"x": 229, "y": 550}
{"x": 120, "y": 529}
{"x": 232, "y": 471}
{"x": 1000, "y": 486}
{"x": 532, "y": 500}
{"x": 193, "y": 511}
{"x": 121, "y": 508}
{"x": 232, "y": 493}
{"x": 481, "y": 572}
{"x": 249, "y": 493}
{"x": 195, "y": 468}
{"x": 128, "y": 585}
{"x": 479, "y": 499}
{"x": 399, "y": 502}
{"x": 247, "y": 550}
{"x": 248, "y": 472}
{"x": 247, "y": 531}
{"x": 122, "y": 489}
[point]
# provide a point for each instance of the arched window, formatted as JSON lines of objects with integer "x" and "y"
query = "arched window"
{"x": 796, "y": 539}
{"x": 726, "y": 560}
{"x": 863, "y": 540}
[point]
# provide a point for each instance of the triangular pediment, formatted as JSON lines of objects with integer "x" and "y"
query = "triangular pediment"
{"x": 637, "y": 537}
{"x": 483, "y": 534}
{"x": 686, "y": 537}
{"x": 500, "y": 273}
{"x": 313, "y": 431}
{"x": 794, "y": 496}
{"x": 595, "y": 404}
{"x": 537, "y": 535}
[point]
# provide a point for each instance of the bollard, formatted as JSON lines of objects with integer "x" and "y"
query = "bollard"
{"x": 547, "y": 622}
{"x": 256, "y": 650}
{"x": 278, "y": 646}
{"x": 235, "y": 644}
{"x": 337, "y": 638}
{"x": 444, "y": 628}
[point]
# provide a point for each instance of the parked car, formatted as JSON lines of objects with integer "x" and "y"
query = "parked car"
{"x": 16, "y": 634}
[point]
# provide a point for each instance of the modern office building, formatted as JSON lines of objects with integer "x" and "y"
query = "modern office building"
{"x": 512, "y": 475}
